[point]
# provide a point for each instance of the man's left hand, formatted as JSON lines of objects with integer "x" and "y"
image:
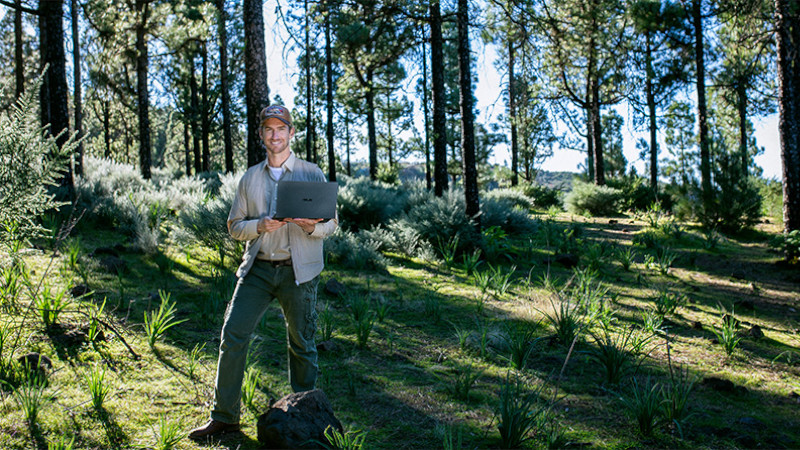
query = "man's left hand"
{"x": 306, "y": 224}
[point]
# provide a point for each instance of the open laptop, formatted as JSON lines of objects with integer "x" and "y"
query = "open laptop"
{"x": 306, "y": 200}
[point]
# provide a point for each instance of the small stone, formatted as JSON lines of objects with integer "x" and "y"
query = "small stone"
{"x": 613, "y": 221}
{"x": 297, "y": 421}
{"x": 756, "y": 332}
{"x": 335, "y": 288}
{"x": 697, "y": 325}
{"x": 625, "y": 230}
{"x": 722, "y": 385}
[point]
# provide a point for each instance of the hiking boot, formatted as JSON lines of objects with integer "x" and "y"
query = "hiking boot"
{"x": 213, "y": 428}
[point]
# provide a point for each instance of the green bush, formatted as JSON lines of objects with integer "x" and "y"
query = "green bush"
{"x": 542, "y": 196}
{"x": 30, "y": 165}
{"x": 354, "y": 250}
{"x": 771, "y": 192}
{"x": 206, "y": 220}
{"x": 364, "y": 204}
{"x": 515, "y": 198}
{"x": 591, "y": 199}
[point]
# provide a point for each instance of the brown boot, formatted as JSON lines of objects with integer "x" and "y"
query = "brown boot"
{"x": 213, "y": 428}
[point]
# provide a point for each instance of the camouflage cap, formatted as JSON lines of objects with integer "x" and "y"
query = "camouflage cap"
{"x": 278, "y": 112}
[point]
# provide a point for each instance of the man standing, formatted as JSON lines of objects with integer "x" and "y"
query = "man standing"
{"x": 282, "y": 259}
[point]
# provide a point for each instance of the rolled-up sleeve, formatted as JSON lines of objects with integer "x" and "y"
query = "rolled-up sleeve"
{"x": 240, "y": 226}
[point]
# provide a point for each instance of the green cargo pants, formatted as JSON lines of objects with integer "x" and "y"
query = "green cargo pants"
{"x": 250, "y": 299}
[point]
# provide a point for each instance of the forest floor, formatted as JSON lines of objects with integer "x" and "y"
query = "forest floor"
{"x": 439, "y": 354}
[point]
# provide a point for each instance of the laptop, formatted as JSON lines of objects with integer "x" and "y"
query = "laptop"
{"x": 306, "y": 200}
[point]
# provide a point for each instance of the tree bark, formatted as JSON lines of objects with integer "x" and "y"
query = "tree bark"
{"x": 19, "y": 65}
{"x": 371, "y": 133}
{"x": 194, "y": 102}
{"x": 741, "y": 103}
{"x": 227, "y": 139}
{"x": 439, "y": 103}
{"x": 425, "y": 113}
{"x": 702, "y": 114}
{"x": 255, "y": 80}
{"x": 467, "y": 116}
{"x": 187, "y": 148}
{"x": 651, "y": 110}
{"x": 205, "y": 110}
{"x": 512, "y": 114}
{"x": 107, "y": 127}
{"x": 142, "y": 93}
{"x": 597, "y": 135}
{"x": 329, "y": 95}
{"x": 53, "y": 94}
{"x": 309, "y": 156}
{"x": 788, "y": 30}
{"x": 77, "y": 88}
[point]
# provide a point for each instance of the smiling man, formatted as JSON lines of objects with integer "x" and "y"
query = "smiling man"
{"x": 282, "y": 260}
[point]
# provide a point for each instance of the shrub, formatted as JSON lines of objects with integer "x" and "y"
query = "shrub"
{"x": 518, "y": 413}
{"x": 516, "y": 198}
{"x": 30, "y": 165}
{"x": 643, "y": 402}
{"x": 354, "y": 250}
{"x": 588, "y": 198}
{"x": 736, "y": 202}
{"x": 502, "y": 213}
{"x": 206, "y": 220}
{"x": 542, "y": 196}
{"x": 636, "y": 193}
{"x": 438, "y": 219}
{"x": 364, "y": 204}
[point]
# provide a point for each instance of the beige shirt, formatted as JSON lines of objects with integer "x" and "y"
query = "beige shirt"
{"x": 254, "y": 199}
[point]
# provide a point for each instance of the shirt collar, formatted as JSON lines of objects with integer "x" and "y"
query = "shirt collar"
{"x": 288, "y": 164}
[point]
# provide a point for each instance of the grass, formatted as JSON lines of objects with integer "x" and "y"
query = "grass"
{"x": 390, "y": 388}
{"x": 98, "y": 387}
{"x": 157, "y": 322}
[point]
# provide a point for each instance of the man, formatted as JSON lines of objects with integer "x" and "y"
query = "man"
{"x": 282, "y": 259}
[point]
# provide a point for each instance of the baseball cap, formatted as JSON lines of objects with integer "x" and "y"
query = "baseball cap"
{"x": 278, "y": 112}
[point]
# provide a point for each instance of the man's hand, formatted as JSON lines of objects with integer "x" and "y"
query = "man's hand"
{"x": 306, "y": 224}
{"x": 267, "y": 225}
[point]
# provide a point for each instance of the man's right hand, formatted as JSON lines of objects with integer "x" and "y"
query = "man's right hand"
{"x": 267, "y": 225}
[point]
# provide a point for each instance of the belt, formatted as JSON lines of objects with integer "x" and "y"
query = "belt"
{"x": 277, "y": 263}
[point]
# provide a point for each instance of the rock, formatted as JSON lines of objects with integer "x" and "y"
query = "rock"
{"x": 297, "y": 421}
{"x": 625, "y": 230}
{"x": 72, "y": 338}
{"x": 722, "y": 385}
{"x": 567, "y": 260}
{"x": 613, "y": 221}
{"x": 335, "y": 288}
{"x": 114, "y": 265}
{"x": 79, "y": 290}
{"x": 756, "y": 332}
{"x": 697, "y": 325}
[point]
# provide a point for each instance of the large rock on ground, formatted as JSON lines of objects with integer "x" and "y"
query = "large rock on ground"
{"x": 298, "y": 420}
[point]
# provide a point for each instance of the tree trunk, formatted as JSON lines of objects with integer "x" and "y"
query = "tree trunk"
{"x": 227, "y": 139}
{"x": 589, "y": 124}
{"x": 53, "y": 94}
{"x": 788, "y": 30}
{"x": 198, "y": 163}
{"x": 512, "y": 114}
{"x": 467, "y": 116}
{"x": 329, "y": 95}
{"x": 651, "y": 110}
{"x": 205, "y": 111}
{"x": 255, "y": 77}
{"x": 142, "y": 94}
{"x": 741, "y": 101}
{"x": 19, "y": 65}
{"x": 437, "y": 86}
{"x": 371, "y": 134}
{"x": 187, "y": 149}
{"x": 702, "y": 115}
{"x": 308, "y": 86}
{"x": 107, "y": 127}
{"x": 77, "y": 88}
{"x": 425, "y": 113}
{"x": 597, "y": 135}
{"x": 347, "y": 141}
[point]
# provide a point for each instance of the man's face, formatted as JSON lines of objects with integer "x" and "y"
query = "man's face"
{"x": 276, "y": 135}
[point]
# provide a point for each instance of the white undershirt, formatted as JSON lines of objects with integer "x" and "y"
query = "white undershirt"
{"x": 276, "y": 172}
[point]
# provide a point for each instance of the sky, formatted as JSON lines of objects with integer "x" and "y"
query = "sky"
{"x": 282, "y": 72}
